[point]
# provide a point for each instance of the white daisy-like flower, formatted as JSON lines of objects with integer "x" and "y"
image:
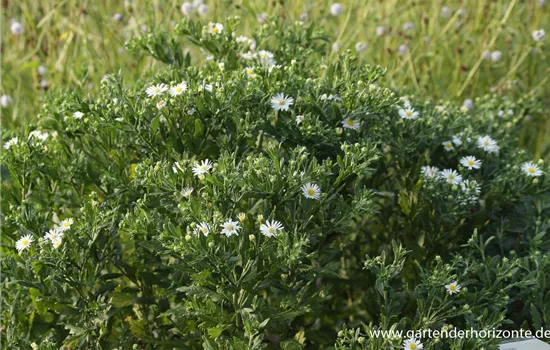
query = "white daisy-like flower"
{"x": 451, "y": 176}
{"x": 380, "y": 30}
{"x": 187, "y": 8}
{"x": 249, "y": 55}
{"x": 538, "y": 35}
{"x": 430, "y": 171}
{"x": 37, "y": 134}
{"x": 408, "y": 26}
{"x": 299, "y": 119}
{"x": 311, "y": 191}
{"x": 11, "y": 142}
{"x": 65, "y": 224}
{"x": 178, "y": 89}
{"x": 408, "y": 112}
{"x": 202, "y": 168}
{"x": 23, "y": 243}
{"x": 336, "y": 9}
{"x": 202, "y": 9}
{"x": 215, "y": 28}
{"x": 457, "y": 141}
{"x": 156, "y": 90}
{"x": 6, "y": 100}
{"x": 360, "y": 47}
{"x": 54, "y": 234}
{"x": 496, "y": 56}
{"x": 242, "y": 39}
{"x": 468, "y": 104}
{"x": 56, "y": 243}
{"x": 249, "y": 71}
{"x": 280, "y": 102}
{"x": 206, "y": 87}
{"x": 471, "y": 186}
{"x": 230, "y": 227}
{"x": 161, "y": 104}
{"x": 78, "y": 115}
{"x": 16, "y": 28}
{"x": 453, "y": 288}
{"x": 448, "y": 146}
{"x": 271, "y": 228}
{"x": 349, "y": 123}
{"x": 470, "y": 162}
{"x": 487, "y": 144}
{"x": 531, "y": 169}
{"x": 203, "y": 228}
{"x": 187, "y": 191}
{"x": 261, "y": 17}
{"x": 412, "y": 344}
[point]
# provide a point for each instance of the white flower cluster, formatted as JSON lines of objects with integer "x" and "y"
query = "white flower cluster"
{"x": 55, "y": 236}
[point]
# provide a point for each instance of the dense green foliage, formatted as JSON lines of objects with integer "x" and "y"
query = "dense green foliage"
{"x": 135, "y": 268}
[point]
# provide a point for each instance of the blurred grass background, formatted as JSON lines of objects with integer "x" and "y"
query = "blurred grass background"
{"x": 433, "y": 48}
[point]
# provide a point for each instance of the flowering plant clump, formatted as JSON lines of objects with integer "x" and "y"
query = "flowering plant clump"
{"x": 251, "y": 201}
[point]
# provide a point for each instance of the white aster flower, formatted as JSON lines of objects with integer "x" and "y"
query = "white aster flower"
{"x": 468, "y": 104}
{"x": 360, "y": 47}
{"x": 187, "y": 191}
{"x": 280, "y": 102}
{"x": 336, "y": 9}
{"x": 187, "y": 8}
{"x": 13, "y": 141}
{"x": 249, "y": 71}
{"x": 412, "y": 344}
{"x": 261, "y": 17}
{"x": 203, "y": 228}
{"x": 6, "y": 100}
{"x": 299, "y": 119}
{"x": 311, "y": 191}
{"x": 37, "y": 134}
{"x": 271, "y": 228}
{"x": 470, "y": 162}
{"x": 531, "y": 169}
{"x": 215, "y": 28}
{"x": 453, "y": 288}
{"x": 349, "y": 123}
{"x": 538, "y": 35}
{"x": 408, "y": 26}
{"x": 448, "y": 146}
{"x": 457, "y": 141}
{"x": 16, "y": 27}
{"x": 156, "y": 90}
{"x": 249, "y": 55}
{"x": 486, "y": 143}
{"x": 241, "y": 39}
{"x": 78, "y": 115}
{"x": 23, "y": 243}
{"x": 202, "y": 9}
{"x": 380, "y": 30}
{"x": 161, "y": 104}
{"x": 56, "y": 243}
{"x": 430, "y": 171}
{"x": 230, "y": 228}
{"x": 65, "y": 224}
{"x": 496, "y": 56}
{"x": 178, "y": 89}
{"x": 202, "y": 168}
{"x": 54, "y": 234}
{"x": 408, "y": 112}
{"x": 451, "y": 176}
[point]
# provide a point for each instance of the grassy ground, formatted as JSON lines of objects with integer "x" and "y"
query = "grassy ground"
{"x": 80, "y": 41}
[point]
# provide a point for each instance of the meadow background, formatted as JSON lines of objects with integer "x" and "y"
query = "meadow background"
{"x": 440, "y": 49}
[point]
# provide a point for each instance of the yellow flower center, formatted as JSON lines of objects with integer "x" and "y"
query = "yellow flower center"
{"x": 230, "y": 227}
{"x": 281, "y": 102}
{"x": 215, "y": 30}
{"x": 413, "y": 346}
{"x": 25, "y": 242}
{"x": 408, "y": 113}
{"x": 449, "y": 145}
{"x": 249, "y": 71}
{"x": 271, "y": 230}
{"x": 350, "y": 122}
{"x": 531, "y": 170}
{"x": 311, "y": 191}
{"x": 451, "y": 176}
{"x": 452, "y": 287}
{"x": 204, "y": 229}
{"x": 470, "y": 162}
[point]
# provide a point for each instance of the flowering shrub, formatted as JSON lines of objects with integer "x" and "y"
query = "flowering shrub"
{"x": 237, "y": 204}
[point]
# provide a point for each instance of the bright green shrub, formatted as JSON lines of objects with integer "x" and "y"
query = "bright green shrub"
{"x": 146, "y": 263}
